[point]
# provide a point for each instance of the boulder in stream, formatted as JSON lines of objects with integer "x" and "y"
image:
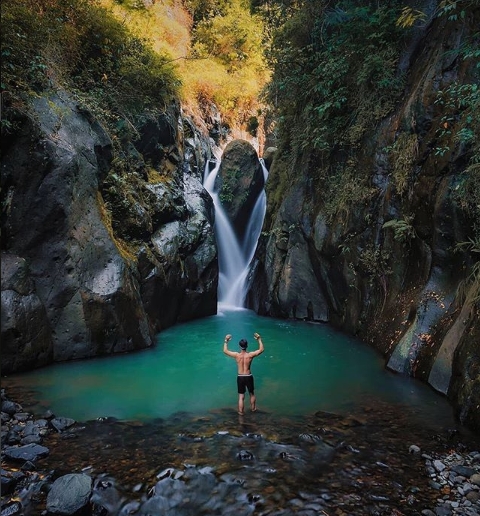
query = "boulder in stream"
{"x": 69, "y": 494}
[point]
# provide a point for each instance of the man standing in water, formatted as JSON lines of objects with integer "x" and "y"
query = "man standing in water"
{"x": 245, "y": 377}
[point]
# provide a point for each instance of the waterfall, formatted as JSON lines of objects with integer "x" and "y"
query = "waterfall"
{"x": 234, "y": 257}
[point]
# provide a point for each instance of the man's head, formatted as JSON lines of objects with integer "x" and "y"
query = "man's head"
{"x": 243, "y": 344}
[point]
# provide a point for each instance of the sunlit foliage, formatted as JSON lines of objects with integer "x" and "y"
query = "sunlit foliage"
{"x": 215, "y": 46}
{"x": 79, "y": 46}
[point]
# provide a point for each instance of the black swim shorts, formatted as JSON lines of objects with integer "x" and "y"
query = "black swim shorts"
{"x": 245, "y": 381}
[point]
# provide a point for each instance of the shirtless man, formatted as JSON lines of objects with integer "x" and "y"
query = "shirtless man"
{"x": 245, "y": 377}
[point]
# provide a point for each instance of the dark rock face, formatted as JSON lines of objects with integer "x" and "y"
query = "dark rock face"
{"x": 239, "y": 182}
{"x": 70, "y": 288}
{"x": 291, "y": 276}
{"x": 26, "y": 334}
{"x": 179, "y": 268}
{"x": 396, "y": 286}
{"x": 268, "y": 156}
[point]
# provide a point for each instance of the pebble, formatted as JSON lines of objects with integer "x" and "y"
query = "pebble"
{"x": 454, "y": 477}
{"x": 457, "y": 476}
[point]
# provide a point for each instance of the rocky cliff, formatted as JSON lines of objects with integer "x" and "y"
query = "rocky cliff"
{"x": 396, "y": 267}
{"x": 102, "y": 245}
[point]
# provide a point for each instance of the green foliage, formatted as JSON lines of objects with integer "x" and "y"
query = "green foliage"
{"x": 335, "y": 72}
{"x": 233, "y": 38}
{"x": 227, "y": 66}
{"x": 403, "y": 154}
{"x": 467, "y": 193}
{"x": 230, "y": 180}
{"x": 461, "y": 107}
{"x": 279, "y": 179}
{"x": 79, "y": 46}
{"x": 373, "y": 261}
{"x": 345, "y": 189}
{"x": 410, "y": 17}
{"x": 206, "y": 9}
{"x": 454, "y": 9}
{"x": 460, "y": 126}
{"x": 403, "y": 231}
{"x": 451, "y": 9}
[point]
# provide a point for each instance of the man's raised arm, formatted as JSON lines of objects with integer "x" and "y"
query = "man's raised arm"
{"x": 261, "y": 349}
{"x": 225, "y": 346}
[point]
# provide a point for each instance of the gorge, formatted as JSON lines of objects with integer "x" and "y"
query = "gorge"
{"x": 113, "y": 196}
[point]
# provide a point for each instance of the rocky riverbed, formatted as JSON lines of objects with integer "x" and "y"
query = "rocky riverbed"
{"x": 379, "y": 461}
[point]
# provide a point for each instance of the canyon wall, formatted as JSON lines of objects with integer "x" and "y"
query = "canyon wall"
{"x": 98, "y": 257}
{"x": 397, "y": 268}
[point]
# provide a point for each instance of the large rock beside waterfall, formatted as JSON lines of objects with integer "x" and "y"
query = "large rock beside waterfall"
{"x": 289, "y": 270}
{"x": 179, "y": 268}
{"x": 56, "y": 223}
{"x": 239, "y": 181}
{"x": 269, "y": 155}
{"x": 81, "y": 277}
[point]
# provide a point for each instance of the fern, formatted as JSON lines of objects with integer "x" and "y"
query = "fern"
{"x": 410, "y": 17}
{"x": 403, "y": 231}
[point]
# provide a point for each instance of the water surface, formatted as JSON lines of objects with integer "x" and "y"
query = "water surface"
{"x": 305, "y": 368}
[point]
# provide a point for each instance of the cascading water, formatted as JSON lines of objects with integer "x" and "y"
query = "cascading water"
{"x": 234, "y": 257}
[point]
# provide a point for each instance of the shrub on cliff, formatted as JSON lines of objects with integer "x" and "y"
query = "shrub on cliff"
{"x": 79, "y": 46}
{"x": 336, "y": 72}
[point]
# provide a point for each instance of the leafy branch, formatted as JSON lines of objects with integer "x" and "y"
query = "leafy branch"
{"x": 403, "y": 230}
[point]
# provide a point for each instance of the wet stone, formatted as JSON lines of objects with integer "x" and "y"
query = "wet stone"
{"x": 28, "y": 466}
{"x": 9, "y": 479}
{"x": 21, "y": 416}
{"x": 464, "y": 471}
{"x": 105, "y": 496}
{"x": 244, "y": 455}
{"x": 10, "y": 407}
{"x": 31, "y": 439}
{"x": 12, "y": 509}
{"x": 31, "y": 429}
{"x": 48, "y": 415}
{"x": 60, "y": 424}
{"x": 29, "y": 452}
{"x": 69, "y": 494}
{"x": 12, "y": 437}
{"x": 473, "y": 496}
